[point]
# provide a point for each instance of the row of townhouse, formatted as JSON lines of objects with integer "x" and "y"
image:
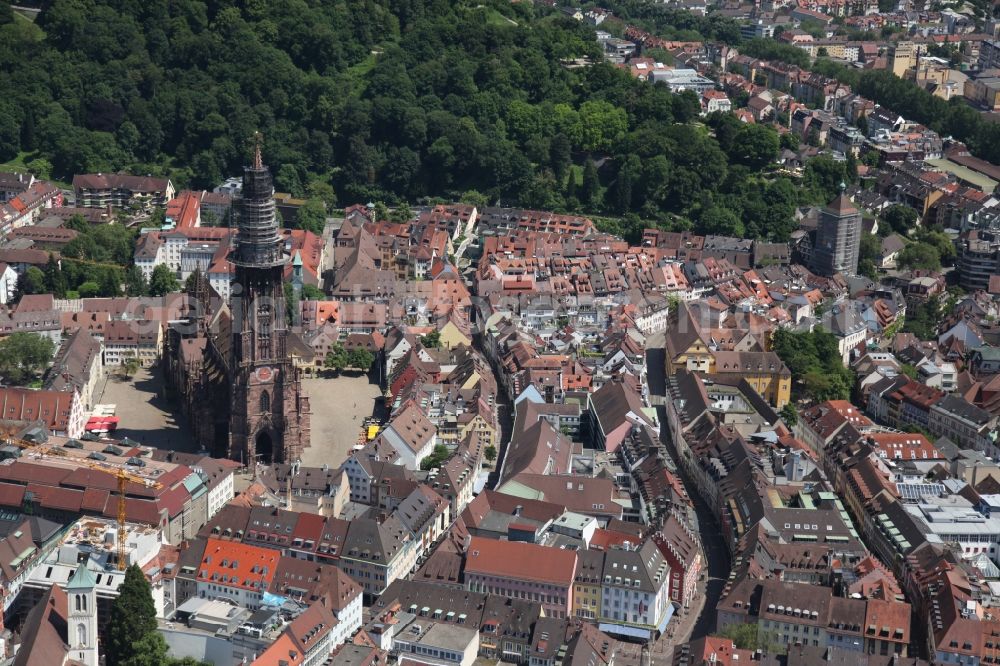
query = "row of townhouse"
{"x": 626, "y": 589}
{"x": 417, "y": 618}
{"x": 900, "y": 401}
{"x": 244, "y": 574}
{"x": 373, "y": 552}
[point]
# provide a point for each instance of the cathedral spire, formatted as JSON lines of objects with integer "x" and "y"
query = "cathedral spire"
{"x": 258, "y": 242}
{"x": 258, "y": 140}
{"x": 269, "y": 413}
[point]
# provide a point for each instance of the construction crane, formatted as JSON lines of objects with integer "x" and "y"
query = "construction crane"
{"x": 124, "y": 477}
{"x": 121, "y": 474}
{"x": 42, "y": 448}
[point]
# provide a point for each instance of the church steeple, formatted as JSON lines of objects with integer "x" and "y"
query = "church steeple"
{"x": 258, "y": 241}
{"x": 269, "y": 415}
{"x": 82, "y": 616}
{"x": 258, "y": 160}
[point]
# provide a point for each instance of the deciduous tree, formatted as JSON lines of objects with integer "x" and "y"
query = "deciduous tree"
{"x": 312, "y": 216}
{"x": 163, "y": 281}
{"x": 32, "y": 281}
{"x": 920, "y": 255}
{"x": 23, "y": 356}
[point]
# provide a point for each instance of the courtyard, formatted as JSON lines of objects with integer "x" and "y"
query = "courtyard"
{"x": 339, "y": 406}
{"x": 146, "y": 415}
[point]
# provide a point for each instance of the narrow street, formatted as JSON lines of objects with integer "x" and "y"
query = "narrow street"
{"x": 505, "y": 415}
{"x": 716, "y": 554}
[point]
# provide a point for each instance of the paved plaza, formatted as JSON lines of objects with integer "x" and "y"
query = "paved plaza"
{"x": 339, "y": 406}
{"x": 146, "y": 415}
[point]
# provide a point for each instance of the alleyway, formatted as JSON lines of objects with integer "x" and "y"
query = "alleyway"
{"x": 716, "y": 553}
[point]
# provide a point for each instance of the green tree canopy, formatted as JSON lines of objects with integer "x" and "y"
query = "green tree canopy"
{"x": 815, "y": 362}
{"x": 869, "y": 256}
{"x": 23, "y": 356}
{"x": 743, "y": 635}
{"x": 337, "y": 358}
{"x": 920, "y": 255}
{"x": 163, "y": 281}
{"x": 755, "y": 146}
{"x": 55, "y": 280}
{"x": 899, "y": 218}
{"x": 386, "y": 101}
{"x": 135, "y": 282}
{"x": 312, "y": 216}
{"x": 432, "y": 340}
{"x": 312, "y": 293}
{"x": 132, "y": 620}
{"x": 922, "y": 318}
{"x": 360, "y": 359}
{"x": 438, "y": 456}
{"x": 599, "y": 125}
{"x": 789, "y": 415}
{"x": 32, "y": 281}
{"x": 825, "y": 176}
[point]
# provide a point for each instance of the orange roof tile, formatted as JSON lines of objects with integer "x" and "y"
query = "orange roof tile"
{"x": 282, "y": 652}
{"x": 522, "y": 561}
{"x": 238, "y": 565}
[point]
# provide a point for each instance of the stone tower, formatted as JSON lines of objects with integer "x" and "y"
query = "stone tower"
{"x": 838, "y": 238}
{"x": 269, "y": 413}
{"x": 81, "y": 616}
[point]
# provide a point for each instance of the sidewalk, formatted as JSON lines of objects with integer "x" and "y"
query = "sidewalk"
{"x": 661, "y": 652}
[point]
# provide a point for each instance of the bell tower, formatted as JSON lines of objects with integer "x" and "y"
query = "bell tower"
{"x": 82, "y": 616}
{"x": 269, "y": 415}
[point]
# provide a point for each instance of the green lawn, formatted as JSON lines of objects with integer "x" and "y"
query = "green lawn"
{"x": 19, "y": 165}
{"x": 20, "y": 18}
{"x": 356, "y": 73}
{"x": 493, "y": 17}
{"x": 577, "y": 171}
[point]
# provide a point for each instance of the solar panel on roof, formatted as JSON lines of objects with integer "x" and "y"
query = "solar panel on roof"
{"x": 915, "y": 491}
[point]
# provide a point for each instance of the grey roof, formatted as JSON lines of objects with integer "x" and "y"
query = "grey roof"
{"x": 350, "y": 654}
{"x": 548, "y": 638}
{"x": 963, "y": 409}
{"x": 419, "y": 508}
{"x": 988, "y": 353}
{"x": 892, "y": 243}
{"x": 589, "y": 566}
{"x": 645, "y": 565}
{"x": 949, "y": 450}
{"x": 82, "y": 579}
{"x": 842, "y": 321}
{"x": 447, "y": 599}
{"x": 371, "y": 541}
{"x": 71, "y": 366}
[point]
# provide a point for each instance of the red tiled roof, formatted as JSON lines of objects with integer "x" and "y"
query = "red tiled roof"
{"x": 52, "y": 407}
{"x": 95, "y": 499}
{"x": 522, "y": 561}
{"x": 282, "y": 652}
{"x": 183, "y": 210}
{"x": 51, "y": 497}
{"x": 309, "y": 526}
{"x": 11, "y": 494}
{"x": 238, "y": 565}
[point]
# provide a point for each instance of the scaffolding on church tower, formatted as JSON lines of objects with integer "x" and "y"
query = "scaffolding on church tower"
{"x": 259, "y": 242}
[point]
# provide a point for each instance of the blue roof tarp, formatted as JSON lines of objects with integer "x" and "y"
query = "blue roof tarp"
{"x": 625, "y": 630}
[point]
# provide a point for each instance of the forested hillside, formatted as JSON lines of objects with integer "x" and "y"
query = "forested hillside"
{"x": 392, "y": 100}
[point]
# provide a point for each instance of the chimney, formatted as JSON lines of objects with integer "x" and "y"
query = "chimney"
{"x": 518, "y": 509}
